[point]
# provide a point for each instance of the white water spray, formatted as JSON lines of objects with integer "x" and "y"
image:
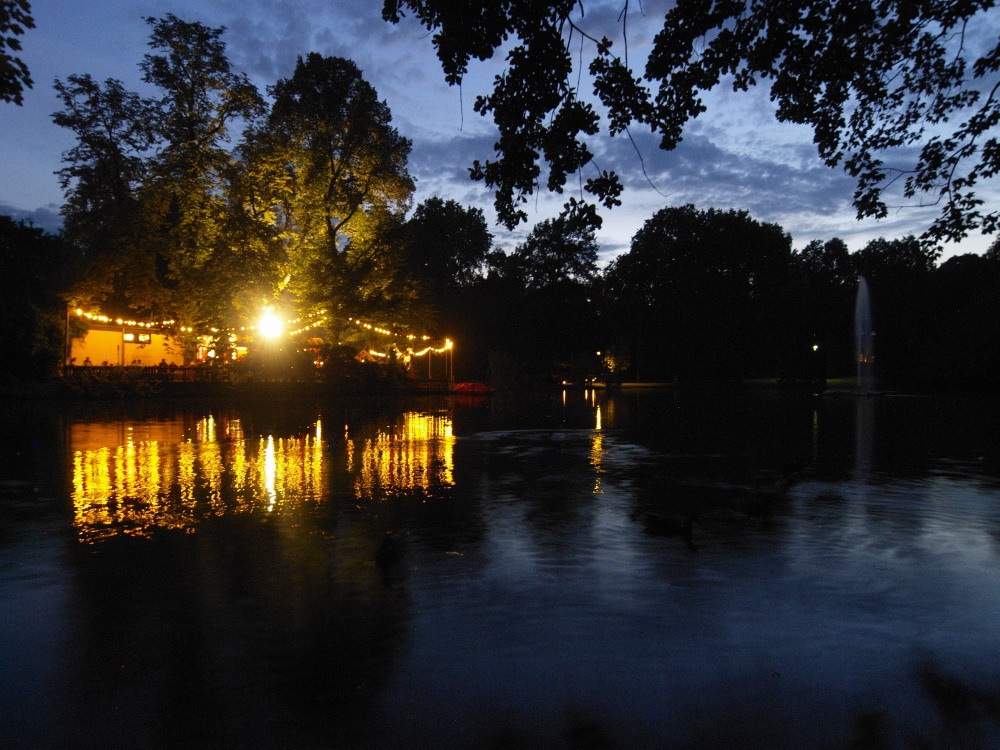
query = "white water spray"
{"x": 864, "y": 338}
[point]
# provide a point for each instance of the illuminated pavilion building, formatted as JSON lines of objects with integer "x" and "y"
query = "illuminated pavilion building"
{"x": 120, "y": 342}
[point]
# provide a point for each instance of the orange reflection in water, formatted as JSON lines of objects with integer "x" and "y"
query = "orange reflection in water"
{"x": 134, "y": 479}
{"x": 417, "y": 454}
{"x": 597, "y": 458}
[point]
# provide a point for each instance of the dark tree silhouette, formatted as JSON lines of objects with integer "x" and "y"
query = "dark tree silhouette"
{"x": 702, "y": 294}
{"x": 448, "y": 244}
{"x": 824, "y": 311}
{"x": 15, "y": 19}
{"x": 556, "y": 251}
{"x": 537, "y": 308}
{"x": 960, "y": 350}
{"x": 914, "y": 82}
{"x": 34, "y": 271}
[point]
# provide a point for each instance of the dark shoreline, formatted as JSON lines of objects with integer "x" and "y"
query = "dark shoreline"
{"x": 248, "y": 390}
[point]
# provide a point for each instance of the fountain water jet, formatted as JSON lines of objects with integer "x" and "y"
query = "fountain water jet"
{"x": 864, "y": 338}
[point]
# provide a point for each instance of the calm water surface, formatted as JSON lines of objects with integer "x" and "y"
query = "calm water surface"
{"x": 657, "y": 569}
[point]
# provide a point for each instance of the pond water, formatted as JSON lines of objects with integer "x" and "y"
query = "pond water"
{"x": 643, "y": 569}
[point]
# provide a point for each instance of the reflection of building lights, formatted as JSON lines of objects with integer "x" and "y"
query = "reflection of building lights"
{"x": 213, "y": 468}
{"x": 187, "y": 473}
{"x": 597, "y": 458}
{"x": 140, "y": 486}
{"x": 270, "y": 472}
{"x": 141, "y": 478}
{"x": 206, "y": 429}
{"x": 417, "y": 456}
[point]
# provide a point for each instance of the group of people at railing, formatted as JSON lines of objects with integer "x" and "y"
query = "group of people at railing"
{"x": 365, "y": 375}
{"x": 163, "y": 371}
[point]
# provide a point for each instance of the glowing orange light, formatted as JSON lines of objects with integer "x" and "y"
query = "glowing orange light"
{"x": 270, "y": 324}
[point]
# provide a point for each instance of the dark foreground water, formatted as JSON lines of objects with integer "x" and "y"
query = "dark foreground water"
{"x": 661, "y": 569}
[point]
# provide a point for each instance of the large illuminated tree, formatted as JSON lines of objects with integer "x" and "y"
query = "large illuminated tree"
{"x": 103, "y": 177}
{"x": 149, "y": 182}
{"x": 186, "y": 194}
{"x": 176, "y": 222}
{"x": 902, "y": 93}
{"x": 333, "y": 180}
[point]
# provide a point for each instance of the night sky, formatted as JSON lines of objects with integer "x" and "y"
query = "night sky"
{"x": 734, "y": 156}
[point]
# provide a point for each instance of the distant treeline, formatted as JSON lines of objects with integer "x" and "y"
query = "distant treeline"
{"x": 709, "y": 295}
{"x": 702, "y": 295}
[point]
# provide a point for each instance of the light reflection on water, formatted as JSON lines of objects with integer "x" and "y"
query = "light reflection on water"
{"x": 417, "y": 455}
{"x": 136, "y": 479}
{"x": 599, "y": 570}
{"x": 134, "y": 484}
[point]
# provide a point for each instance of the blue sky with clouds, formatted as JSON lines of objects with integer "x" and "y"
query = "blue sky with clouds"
{"x": 734, "y": 156}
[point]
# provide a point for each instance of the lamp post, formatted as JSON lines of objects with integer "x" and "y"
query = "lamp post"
{"x": 67, "y": 341}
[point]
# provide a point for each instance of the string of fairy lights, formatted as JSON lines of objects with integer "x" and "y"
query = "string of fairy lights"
{"x": 409, "y": 350}
{"x": 304, "y": 325}
{"x": 321, "y": 318}
{"x": 106, "y": 320}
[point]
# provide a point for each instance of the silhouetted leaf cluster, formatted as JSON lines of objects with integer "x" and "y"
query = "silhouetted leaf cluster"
{"x": 877, "y": 83}
{"x": 15, "y": 19}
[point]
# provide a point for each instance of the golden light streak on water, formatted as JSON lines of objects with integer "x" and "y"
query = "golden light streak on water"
{"x": 597, "y": 456}
{"x": 270, "y": 472}
{"x": 239, "y": 468}
{"x": 212, "y": 467}
{"x": 179, "y": 476}
{"x": 416, "y": 455}
{"x": 186, "y": 472}
{"x": 130, "y": 486}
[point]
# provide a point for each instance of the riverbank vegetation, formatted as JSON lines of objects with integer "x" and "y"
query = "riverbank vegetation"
{"x": 701, "y": 295}
{"x": 206, "y": 201}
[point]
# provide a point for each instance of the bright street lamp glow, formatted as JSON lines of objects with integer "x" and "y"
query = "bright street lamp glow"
{"x": 270, "y": 325}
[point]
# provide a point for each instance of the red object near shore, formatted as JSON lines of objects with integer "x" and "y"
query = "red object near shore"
{"x": 472, "y": 388}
